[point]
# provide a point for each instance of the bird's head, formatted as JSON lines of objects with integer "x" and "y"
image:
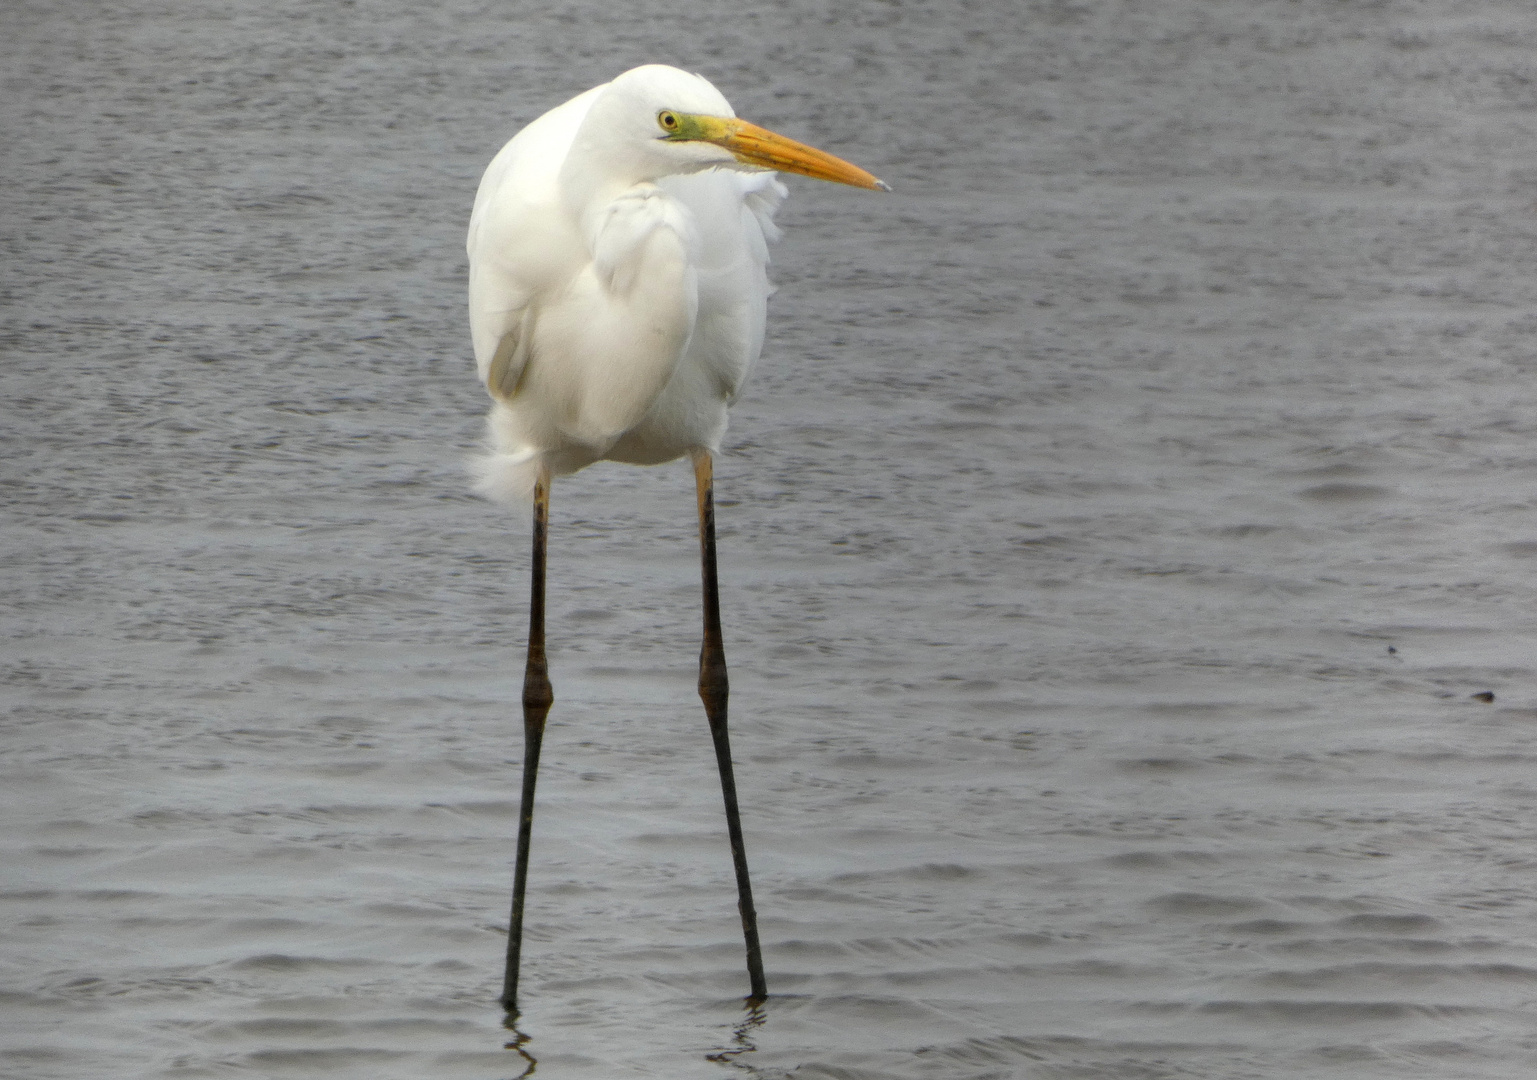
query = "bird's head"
{"x": 667, "y": 121}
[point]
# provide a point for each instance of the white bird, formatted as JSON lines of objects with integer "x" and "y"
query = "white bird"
{"x": 618, "y": 284}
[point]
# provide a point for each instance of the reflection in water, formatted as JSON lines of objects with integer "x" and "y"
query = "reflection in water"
{"x": 740, "y": 1043}
{"x": 519, "y": 1042}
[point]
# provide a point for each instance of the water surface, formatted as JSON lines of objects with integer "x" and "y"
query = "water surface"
{"x": 1114, "y": 539}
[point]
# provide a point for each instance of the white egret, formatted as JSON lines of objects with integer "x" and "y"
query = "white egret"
{"x": 618, "y": 252}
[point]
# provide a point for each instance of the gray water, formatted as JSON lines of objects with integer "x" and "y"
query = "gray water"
{"x": 1122, "y": 522}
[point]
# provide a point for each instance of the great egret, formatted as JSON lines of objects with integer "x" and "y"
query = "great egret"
{"x": 617, "y": 250}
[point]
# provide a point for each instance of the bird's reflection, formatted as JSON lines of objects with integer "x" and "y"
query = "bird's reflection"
{"x": 520, "y": 1043}
{"x": 741, "y": 1041}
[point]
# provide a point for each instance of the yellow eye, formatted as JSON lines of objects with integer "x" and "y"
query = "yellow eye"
{"x": 668, "y": 121}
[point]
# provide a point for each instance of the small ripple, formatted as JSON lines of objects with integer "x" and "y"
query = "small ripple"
{"x": 1342, "y": 493}
{"x": 266, "y": 925}
{"x": 498, "y": 808}
{"x": 1397, "y": 973}
{"x": 418, "y": 1025}
{"x": 163, "y": 922}
{"x": 1086, "y": 1057}
{"x": 337, "y": 1059}
{"x": 339, "y": 812}
{"x": 1159, "y": 860}
{"x": 1369, "y": 945}
{"x": 1098, "y": 970}
{"x": 1159, "y": 765}
{"x": 882, "y": 948}
{"x": 833, "y": 1008}
{"x": 925, "y": 872}
{"x": 882, "y": 761}
{"x": 283, "y": 673}
{"x": 1390, "y": 924}
{"x": 806, "y": 894}
{"x": 1270, "y": 926}
{"x": 394, "y": 910}
{"x": 810, "y": 950}
{"x": 280, "y": 1027}
{"x": 1203, "y": 904}
{"x": 1331, "y": 1012}
{"x": 32, "y": 1053}
{"x": 285, "y": 963}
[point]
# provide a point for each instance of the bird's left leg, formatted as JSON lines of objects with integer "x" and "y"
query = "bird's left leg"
{"x": 714, "y": 690}
{"x": 537, "y": 699}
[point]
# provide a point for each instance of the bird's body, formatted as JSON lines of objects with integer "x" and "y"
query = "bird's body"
{"x": 619, "y": 325}
{"x": 618, "y": 281}
{"x": 618, "y": 284}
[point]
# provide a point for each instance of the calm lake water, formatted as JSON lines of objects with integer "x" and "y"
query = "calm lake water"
{"x": 1120, "y": 542}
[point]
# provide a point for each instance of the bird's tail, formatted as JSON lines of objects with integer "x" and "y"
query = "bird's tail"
{"x": 506, "y": 478}
{"x": 505, "y": 473}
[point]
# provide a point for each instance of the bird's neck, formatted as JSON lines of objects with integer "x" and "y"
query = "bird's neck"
{"x": 604, "y": 161}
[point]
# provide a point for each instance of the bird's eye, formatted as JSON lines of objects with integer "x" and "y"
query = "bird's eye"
{"x": 668, "y": 121}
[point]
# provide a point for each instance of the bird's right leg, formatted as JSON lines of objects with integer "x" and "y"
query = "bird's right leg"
{"x": 537, "y": 699}
{"x": 715, "y": 691}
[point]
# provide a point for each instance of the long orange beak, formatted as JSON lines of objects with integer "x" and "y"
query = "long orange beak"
{"x": 754, "y": 145}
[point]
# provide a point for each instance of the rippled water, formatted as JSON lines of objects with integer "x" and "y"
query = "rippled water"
{"x": 1123, "y": 522}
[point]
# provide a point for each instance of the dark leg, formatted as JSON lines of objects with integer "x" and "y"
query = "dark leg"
{"x": 713, "y": 690}
{"x": 537, "y": 699}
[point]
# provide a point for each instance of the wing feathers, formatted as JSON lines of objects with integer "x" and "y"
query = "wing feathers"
{"x": 622, "y": 333}
{"x": 511, "y": 358}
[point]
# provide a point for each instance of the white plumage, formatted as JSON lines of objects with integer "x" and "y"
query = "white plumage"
{"x": 618, "y": 278}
